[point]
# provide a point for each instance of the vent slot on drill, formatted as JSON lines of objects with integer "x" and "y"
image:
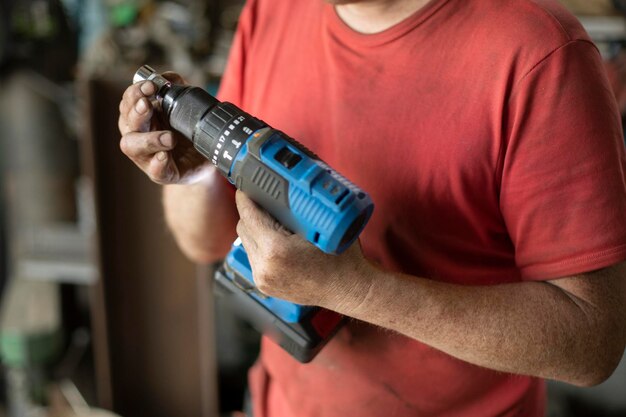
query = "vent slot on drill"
{"x": 341, "y": 197}
{"x": 287, "y": 158}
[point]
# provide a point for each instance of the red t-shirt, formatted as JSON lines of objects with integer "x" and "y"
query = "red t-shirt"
{"x": 488, "y": 137}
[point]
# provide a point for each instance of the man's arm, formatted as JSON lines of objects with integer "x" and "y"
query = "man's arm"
{"x": 202, "y": 217}
{"x": 572, "y": 329}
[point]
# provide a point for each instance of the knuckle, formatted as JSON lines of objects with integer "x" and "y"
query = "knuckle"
{"x": 244, "y": 211}
{"x": 240, "y": 228}
{"x": 124, "y": 145}
{"x": 132, "y": 145}
{"x": 121, "y": 125}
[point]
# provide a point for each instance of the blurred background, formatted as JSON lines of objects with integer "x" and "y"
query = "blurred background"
{"x": 100, "y": 314}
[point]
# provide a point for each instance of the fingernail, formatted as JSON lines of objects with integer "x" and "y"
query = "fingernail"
{"x": 166, "y": 140}
{"x": 141, "y": 107}
{"x": 147, "y": 88}
{"x": 161, "y": 156}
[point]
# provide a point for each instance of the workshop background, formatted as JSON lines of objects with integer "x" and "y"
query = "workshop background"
{"x": 99, "y": 310}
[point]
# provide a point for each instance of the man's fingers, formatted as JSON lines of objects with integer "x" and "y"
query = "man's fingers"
{"x": 135, "y": 108}
{"x": 139, "y": 116}
{"x": 133, "y": 93}
{"x": 138, "y": 90}
{"x": 146, "y": 144}
{"x": 250, "y": 213}
{"x": 162, "y": 169}
{"x": 150, "y": 151}
{"x": 256, "y": 217}
{"x": 247, "y": 238}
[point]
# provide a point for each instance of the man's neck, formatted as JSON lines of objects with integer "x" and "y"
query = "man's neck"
{"x": 373, "y": 16}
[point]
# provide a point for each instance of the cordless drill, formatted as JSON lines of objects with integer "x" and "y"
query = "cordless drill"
{"x": 303, "y": 193}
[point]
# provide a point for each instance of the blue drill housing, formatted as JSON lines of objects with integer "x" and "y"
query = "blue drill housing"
{"x": 323, "y": 207}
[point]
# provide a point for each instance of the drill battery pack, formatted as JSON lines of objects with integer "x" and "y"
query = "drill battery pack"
{"x": 300, "y": 330}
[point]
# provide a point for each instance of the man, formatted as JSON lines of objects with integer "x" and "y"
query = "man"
{"x": 490, "y": 142}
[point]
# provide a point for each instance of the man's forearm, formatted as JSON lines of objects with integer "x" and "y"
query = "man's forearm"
{"x": 202, "y": 217}
{"x": 531, "y": 328}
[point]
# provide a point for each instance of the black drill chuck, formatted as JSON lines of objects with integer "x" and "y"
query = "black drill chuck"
{"x": 216, "y": 129}
{"x": 184, "y": 106}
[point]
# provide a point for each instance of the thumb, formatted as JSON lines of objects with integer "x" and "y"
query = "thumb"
{"x": 255, "y": 217}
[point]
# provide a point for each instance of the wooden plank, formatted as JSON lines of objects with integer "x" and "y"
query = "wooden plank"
{"x": 146, "y": 306}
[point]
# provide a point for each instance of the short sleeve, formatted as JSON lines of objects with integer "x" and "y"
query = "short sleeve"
{"x": 232, "y": 83}
{"x": 562, "y": 188}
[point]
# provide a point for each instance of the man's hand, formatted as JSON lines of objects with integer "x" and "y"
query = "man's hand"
{"x": 201, "y": 214}
{"x": 286, "y": 266}
{"x": 571, "y": 329}
{"x": 165, "y": 156}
